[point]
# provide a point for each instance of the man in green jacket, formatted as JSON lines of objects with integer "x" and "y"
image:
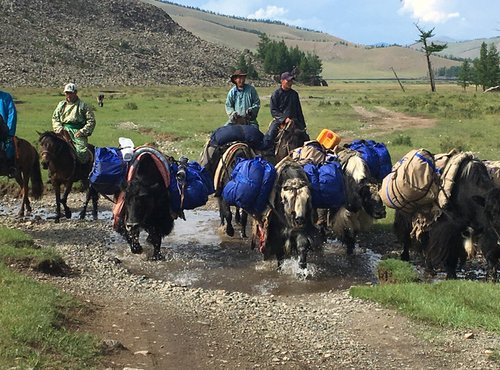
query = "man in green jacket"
{"x": 77, "y": 119}
{"x": 242, "y": 101}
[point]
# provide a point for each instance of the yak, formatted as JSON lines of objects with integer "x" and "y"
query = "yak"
{"x": 146, "y": 205}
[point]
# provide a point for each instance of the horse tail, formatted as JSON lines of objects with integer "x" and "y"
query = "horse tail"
{"x": 36, "y": 178}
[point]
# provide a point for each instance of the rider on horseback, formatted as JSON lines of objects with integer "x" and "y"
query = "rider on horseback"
{"x": 285, "y": 105}
{"x": 75, "y": 118}
{"x": 242, "y": 101}
{"x": 8, "y": 122}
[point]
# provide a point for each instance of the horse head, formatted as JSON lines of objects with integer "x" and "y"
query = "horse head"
{"x": 53, "y": 147}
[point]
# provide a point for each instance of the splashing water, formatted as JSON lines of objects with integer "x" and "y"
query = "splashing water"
{"x": 291, "y": 267}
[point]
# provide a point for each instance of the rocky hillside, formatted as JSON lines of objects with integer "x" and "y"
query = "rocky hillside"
{"x": 102, "y": 43}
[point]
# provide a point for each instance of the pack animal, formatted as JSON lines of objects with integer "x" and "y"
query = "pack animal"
{"x": 27, "y": 167}
{"x": 146, "y": 206}
{"x": 348, "y": 221}
{"x": 221, "y": 167}
{"x": 470, "y": 219}
{"x": 59, "y": 157}
{"x": 291, "y": 229}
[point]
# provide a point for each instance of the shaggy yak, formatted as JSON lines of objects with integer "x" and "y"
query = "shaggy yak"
{"x": 145, "y": 203}
{"x": 291, "y": 228}
{"x": 363, "y": 204}
{"x": 470, "y": 219}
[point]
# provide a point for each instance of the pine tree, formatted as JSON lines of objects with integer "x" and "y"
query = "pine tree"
{"x": 429, "y": 50}
{"x": 464, "y": 75}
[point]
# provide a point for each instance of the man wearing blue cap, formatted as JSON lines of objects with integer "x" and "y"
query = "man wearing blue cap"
{"x": 285, "y": 103}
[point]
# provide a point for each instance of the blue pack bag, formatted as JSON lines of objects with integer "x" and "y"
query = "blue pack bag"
{"x": 109, "y": 170}
{"x": 375, "y": 155}
{"x": 327, "y": 184}
{"x": 197, "y": 188}
{"x": 250, "y": 185}
{"x": 244, "y": 133}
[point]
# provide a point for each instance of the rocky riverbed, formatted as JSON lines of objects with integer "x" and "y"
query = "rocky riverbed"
{"x": 148, "y": 323}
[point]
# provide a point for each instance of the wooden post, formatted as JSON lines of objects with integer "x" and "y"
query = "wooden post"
{"x": 400, "y": 84}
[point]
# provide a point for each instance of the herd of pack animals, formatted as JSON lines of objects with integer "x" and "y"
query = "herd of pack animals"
{"x": 446, "y": 206}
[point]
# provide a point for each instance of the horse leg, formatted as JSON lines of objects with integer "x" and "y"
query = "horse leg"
{"x": 22, "y": 179}
{"x": 225, "y": 212}
{"x": 64, "y": 200}
{"x": 244, "y": 221}
{"x": 83, "y": 212}
{"x": 95, "y": 200}
{"x": 57, "y": 191}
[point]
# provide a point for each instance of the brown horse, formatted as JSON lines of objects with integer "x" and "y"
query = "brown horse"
{"x": 289, "y": 138}
{"x": 59, "y": 157}
{"x": 27, "y": 167}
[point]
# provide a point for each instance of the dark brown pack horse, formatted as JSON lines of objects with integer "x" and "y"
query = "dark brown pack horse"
{"x": 59, "y": 157}
{"x": 289, "y": 138}
{"x": 27, "y": 166}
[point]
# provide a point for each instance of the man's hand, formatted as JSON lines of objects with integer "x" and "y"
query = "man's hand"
{"x": 234, "y": 116}
{"x": 249, "y": 113}
{"x": 78, "y": 134}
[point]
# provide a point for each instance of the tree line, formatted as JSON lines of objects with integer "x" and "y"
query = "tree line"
{"x": 276, "y": 58}
{"x": 483, "y": 71}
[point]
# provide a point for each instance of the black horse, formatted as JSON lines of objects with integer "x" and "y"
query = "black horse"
{"x": 59, "y": 157}
{"x": 145, "y": 202}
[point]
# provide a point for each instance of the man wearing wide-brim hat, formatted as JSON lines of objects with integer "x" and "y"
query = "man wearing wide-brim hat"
{"x": 242, "y": 102}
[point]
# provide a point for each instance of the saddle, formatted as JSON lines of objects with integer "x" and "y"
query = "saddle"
{"x": 225, "y": 160}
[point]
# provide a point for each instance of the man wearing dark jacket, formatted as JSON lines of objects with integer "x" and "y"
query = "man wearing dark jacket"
{"x": 285, "y": 103}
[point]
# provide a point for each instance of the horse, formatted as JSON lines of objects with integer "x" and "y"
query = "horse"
{"x": 289, "y": 138}
{"x": 27, "y": 166}
{"x": 466, "y": 221}
{"x": 59, "y": 157}
{"x": 222, "y": 174}
{"x": 145, "y": 202}
{"x": 290, "y": 226}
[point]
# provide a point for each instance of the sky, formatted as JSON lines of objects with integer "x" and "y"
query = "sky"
{"x": 372, "y": 21}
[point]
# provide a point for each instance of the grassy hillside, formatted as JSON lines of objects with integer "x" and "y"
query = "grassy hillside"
{"x": 341, "y": 59}
{"x": 465, "y": 49}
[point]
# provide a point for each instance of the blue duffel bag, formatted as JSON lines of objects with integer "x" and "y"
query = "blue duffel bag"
{"x": 251, "y": 183}
{"x": 109, "y": 170}
{"x": 327, "y": 184}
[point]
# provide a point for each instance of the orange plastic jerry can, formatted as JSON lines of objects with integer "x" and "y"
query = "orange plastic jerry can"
{"x": 328, "y": 138}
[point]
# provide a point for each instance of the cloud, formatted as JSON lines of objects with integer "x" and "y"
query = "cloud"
{"x": 429, "y": 11}
{"x": 270, "y": 12}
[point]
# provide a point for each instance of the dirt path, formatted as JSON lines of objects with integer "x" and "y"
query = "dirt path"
{"x": 381, "y": 121}
{"x": 161, "y": 325}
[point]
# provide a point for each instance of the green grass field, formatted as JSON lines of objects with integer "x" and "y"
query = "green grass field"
{"x": 36, "y": 318}
{"x": 184, "y": 116}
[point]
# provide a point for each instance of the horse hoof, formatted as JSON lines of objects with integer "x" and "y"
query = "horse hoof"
{"x": 82, "y": 216}
{"x": 57, "y": 220}
{"x": 350, "y": 251}
{"x": 67, "y": 214}
{"x": 243, "y": 235}
{"x": 94, "y": 217}
{"x": 229, "y": 230}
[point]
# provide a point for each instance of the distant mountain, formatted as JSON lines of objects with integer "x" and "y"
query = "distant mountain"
{"x": 109, "y": 42}
{"x": 341, "y": 58}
